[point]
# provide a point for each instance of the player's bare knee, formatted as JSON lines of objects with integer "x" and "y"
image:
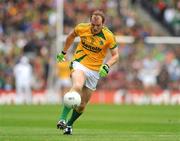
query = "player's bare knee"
{"x": 77, "y": 87}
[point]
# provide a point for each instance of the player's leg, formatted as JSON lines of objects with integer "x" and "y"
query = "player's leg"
{"x": 78, "y": 78}
{"x": 89, "y": 86}
{"x": 85, "y": 97}
{"x": 62, "y": 120}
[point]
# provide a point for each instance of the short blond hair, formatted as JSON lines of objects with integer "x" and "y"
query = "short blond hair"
{"x": 98, "y": 13}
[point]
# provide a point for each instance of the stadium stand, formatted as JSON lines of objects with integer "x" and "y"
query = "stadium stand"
{"x": 26, "y": 29}
{"x": 166, "y": 12}
{"x": 29, "y": 28}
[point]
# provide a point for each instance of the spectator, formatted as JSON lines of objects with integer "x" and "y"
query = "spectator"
{"x": 148, "y": 73}
{"x": 163, "y": 79}
{"x": 63, "y": 79}
{"x": 23, "y": 77}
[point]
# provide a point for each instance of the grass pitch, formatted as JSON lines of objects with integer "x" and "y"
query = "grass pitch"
{"x": 98, "y": 123}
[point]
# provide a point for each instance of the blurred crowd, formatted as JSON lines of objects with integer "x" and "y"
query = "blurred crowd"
{"x": 148, "y": 67}
{"x": 28, "y": 30}
{"x": 120, "y": 19}
{"x": 167, "y": 12}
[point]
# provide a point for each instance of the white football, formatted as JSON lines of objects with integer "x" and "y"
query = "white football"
{"x": 72, "y": 99}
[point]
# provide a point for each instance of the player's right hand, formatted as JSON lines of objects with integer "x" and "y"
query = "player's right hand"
{"x": 60, "y": 57}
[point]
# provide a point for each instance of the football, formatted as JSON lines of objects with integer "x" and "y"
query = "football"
{"x": 72, "y": 99}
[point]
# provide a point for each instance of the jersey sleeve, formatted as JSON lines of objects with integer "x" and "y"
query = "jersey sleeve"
{"x": 78, "y": 29}
{"x": 112, "y": 42}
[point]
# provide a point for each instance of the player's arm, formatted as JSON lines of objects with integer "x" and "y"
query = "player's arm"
{"x": 104, "y": 69}
{"x": 69, "y": 40}
{"x": 114, "y": 57}
{"x": 114, "y": 51}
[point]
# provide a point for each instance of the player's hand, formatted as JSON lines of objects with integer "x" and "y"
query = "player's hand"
{"x": 60, "y": 57}
{"x": 104, "y": 69}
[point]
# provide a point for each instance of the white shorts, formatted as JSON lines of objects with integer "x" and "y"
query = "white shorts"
{"x": 92, "y": 77}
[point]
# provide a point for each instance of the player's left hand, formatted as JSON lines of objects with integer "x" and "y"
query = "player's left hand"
{"x": 104, "y": 69}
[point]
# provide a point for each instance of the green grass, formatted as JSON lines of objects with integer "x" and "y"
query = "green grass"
{"x": 98, "y": 123}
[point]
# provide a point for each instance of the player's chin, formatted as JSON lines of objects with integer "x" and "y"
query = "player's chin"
{"x": 95, "y": 32}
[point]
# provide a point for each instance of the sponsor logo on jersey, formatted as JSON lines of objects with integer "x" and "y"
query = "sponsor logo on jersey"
{"x": 91, "y": 48}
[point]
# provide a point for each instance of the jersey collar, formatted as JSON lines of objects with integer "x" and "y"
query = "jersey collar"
{"x": 101, "y": 34}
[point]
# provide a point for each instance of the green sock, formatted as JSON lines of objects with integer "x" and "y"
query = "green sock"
{"x": 75, "y": 116}
{"x": 65, "y": 113}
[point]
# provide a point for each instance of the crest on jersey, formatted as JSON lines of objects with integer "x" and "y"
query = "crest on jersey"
{"x": 101, "y": 43}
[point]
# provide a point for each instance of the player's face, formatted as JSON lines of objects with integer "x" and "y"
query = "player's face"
{"x": 96, "y": 24}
